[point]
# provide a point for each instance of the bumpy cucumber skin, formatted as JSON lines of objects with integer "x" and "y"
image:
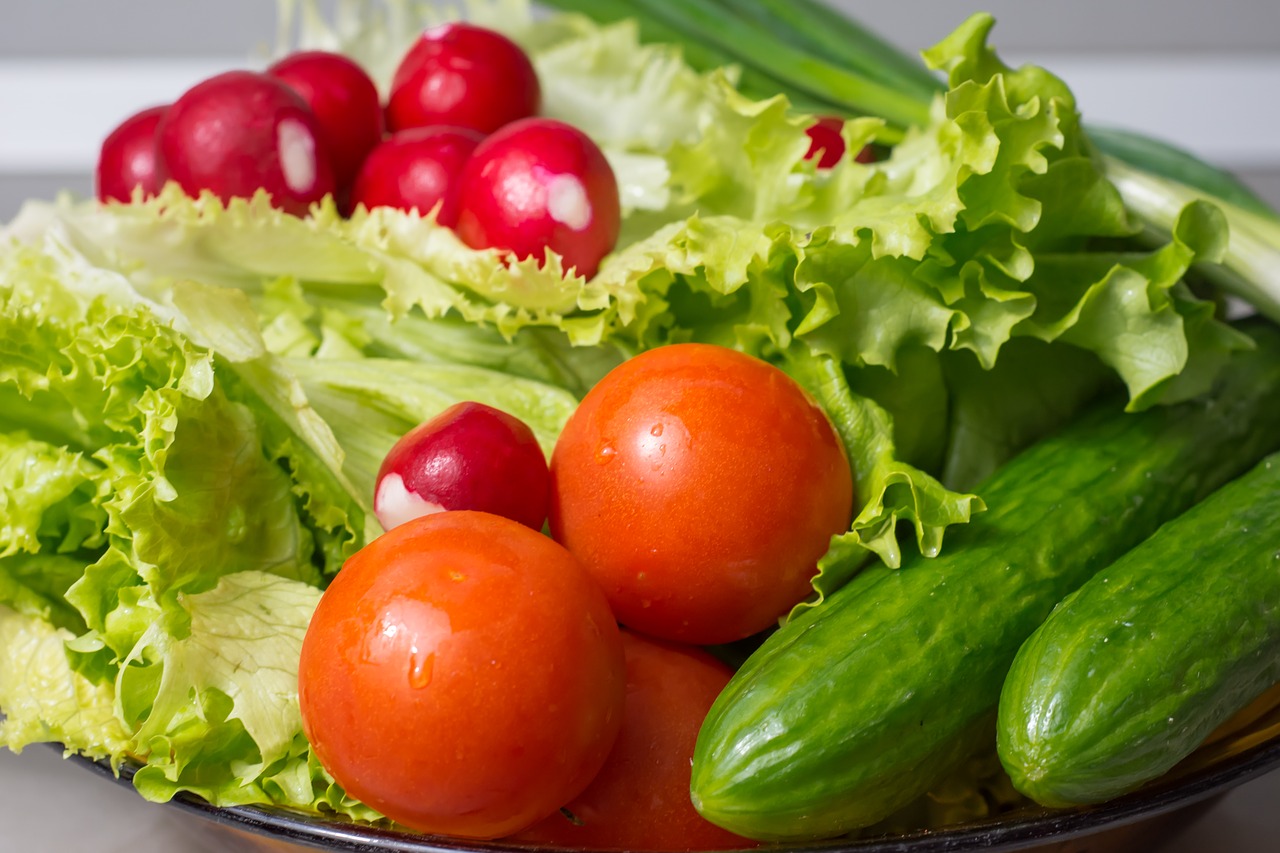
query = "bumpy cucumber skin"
{"x": 858, "y": 706}
{"x": 1134, "y": 669}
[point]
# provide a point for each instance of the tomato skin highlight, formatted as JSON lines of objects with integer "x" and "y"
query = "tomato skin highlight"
{"x": 640, "y": 799}
{"x": 700, "y": 486}
{"x": 463, "y": 676}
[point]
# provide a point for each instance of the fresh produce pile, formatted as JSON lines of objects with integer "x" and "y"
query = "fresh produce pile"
{"x": 340, "y": 433}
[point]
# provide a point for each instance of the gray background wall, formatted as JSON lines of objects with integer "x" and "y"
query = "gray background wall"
{"x": 1093, "y": 42}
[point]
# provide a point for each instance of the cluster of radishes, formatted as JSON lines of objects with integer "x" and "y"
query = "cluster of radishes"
{"x": 459, "y": 136}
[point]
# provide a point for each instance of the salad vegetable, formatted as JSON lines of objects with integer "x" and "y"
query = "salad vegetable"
{"x": 828, "y": 62}
{"x": 128, "y": 158}
{"x": 463, "y": 675}
{"x": 640, "y": 798}
{"x": 826, "y": 143}
{"x": 699, "y": 486}
{"x": 540, "y": 186}
{"x": 239, "y": 133}
{"x": 460, "y": 75}
{"x": 470, "y": 456}
{"x": 858, "y": 707}
{"x": 198, "y": 389}
{"x": 415, "y": 170}
{"x": 345, "y": 103}
{"x": 1134, "y": 670}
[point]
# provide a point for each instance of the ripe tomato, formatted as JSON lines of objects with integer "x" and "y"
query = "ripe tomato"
{"x": 462, "y": 675}
{"x": 640, "y": 800}
{"x": 700, "y": 486}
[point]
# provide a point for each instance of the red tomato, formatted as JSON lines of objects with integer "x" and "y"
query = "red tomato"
{"x": 700, "y": 486}
{"x": 640, "y": 800}
{"x": 462, "y": 675}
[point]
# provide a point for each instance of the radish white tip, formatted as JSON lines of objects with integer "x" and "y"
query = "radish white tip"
{"x": 567, "y": 202}
{"x": 395, "y": 505}
{"x": 297, "y": 148}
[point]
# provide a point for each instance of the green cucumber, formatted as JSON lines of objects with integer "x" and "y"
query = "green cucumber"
{"x": 1135, "y": 668}
{"x": 859, "y": 705}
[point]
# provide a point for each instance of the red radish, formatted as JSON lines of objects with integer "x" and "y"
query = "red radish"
{"x": 827, "y": 144}
{"x": 240, "y": 131}
{"x": 540, "y": 184}
{"x": 465, "y": 76}
{"x": 469, "y": 457}
{"x": 416, "y": 168}
{"x": 128, "y": 157}
{"x": 345, "y": 103}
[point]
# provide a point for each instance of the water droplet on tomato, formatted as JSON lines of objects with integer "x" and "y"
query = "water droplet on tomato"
{"x": 655, "y": 430}
{"x": 605, "y": 454}
{"x": 420, "y": 668}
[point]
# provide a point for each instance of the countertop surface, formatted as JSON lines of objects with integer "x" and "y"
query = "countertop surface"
{"x": 52, "y": 806}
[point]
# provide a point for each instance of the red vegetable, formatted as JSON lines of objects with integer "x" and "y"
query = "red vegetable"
{"x": 462, "y": 675}
{"x": 417, "y": 168}
{"x": 463, "y": 75}
{"x": 128, "y": 157}
{"x": 540, "y": 184}
{"x": 699, "y": 486}
{"x": 828, "y": 145}
{"x": 240, "y": 131}
{"x": 470, "y": 456}
{"x": 345, "y": 103}
{"x": 640, "y": 799}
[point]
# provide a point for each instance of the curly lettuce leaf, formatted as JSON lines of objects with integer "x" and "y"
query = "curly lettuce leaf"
{"x": 992, "y": 223}
{"x": 232, "y": 673}
{"x": 373, "y": 402}
{"x": 995, "y": 413}
{"x": 45, "y": 700}
{"x": 46, "y": 498}
{"x": 181, "y": 474}
{"x": 887, "y": 490}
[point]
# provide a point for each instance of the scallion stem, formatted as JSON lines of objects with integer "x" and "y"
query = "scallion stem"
{"x": 1251, "y": 268}
{"x": 813, "y": 26}
{"x": 725, "y": 31}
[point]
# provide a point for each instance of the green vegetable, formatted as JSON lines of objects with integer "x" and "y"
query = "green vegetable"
{"x": 174, "y": 495}
{"x": 859, "y": 705}
{"x": 1155, "y": 178}
{"x": 194, "y": 395}
{"x": 1134, "y": 669}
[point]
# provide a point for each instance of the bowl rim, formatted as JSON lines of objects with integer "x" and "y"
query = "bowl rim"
{"x": 1013, "y": 831}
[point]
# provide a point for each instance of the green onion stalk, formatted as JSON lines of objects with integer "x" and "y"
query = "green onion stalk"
{"x": 828, "y": 63}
